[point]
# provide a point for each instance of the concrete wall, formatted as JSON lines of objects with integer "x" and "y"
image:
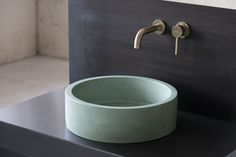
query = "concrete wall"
{"x": 231, "y": 4}
{"x": 53, "y": 28}
{"x": 17, "y": 29}
{"x": 19, "y": 26}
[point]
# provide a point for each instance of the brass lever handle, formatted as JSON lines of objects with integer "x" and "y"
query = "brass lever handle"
{"x": 180, "y": 30}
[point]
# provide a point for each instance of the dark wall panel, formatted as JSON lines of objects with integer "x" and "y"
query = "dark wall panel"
{"x": 7, "y": 153}
{"x": 101, "y": 43}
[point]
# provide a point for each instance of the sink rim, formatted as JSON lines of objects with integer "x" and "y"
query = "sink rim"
{"x": 70, "y": 95}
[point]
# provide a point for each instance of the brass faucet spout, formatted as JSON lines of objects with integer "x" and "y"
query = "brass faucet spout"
{"x": 141, "y": 33}
{"x": 158, "y": 27}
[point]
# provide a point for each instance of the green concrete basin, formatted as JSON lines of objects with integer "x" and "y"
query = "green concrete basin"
{"x": 120, "y": 109}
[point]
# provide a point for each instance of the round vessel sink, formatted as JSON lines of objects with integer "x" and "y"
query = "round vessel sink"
{"x": 120, "y": 109}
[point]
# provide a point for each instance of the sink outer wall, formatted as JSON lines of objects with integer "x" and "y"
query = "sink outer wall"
{"x": 119, "y": 125}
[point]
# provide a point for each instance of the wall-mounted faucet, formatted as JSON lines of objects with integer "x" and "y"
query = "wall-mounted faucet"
{"x": 180, "y": 30}
{"x": 158, "y": 26}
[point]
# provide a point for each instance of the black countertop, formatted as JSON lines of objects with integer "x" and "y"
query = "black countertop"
{"x": 37, "y": 128}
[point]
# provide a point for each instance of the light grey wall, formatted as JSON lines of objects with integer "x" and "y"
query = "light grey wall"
{"x": 17, "y": 29}
{"x": 53, "y": 28}
{"x": 230, "y": 4}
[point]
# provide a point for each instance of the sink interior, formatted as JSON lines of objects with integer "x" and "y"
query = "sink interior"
{"x": 122, "y": 92}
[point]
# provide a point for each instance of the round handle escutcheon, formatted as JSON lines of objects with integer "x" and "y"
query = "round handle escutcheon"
{"x": 177, "y": 31}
